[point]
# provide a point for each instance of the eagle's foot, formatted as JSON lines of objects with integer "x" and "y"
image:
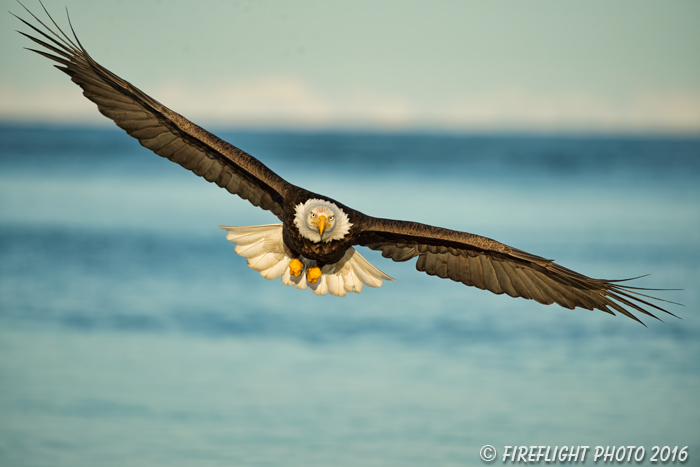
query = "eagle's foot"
{"x": 295, "y": 267}
{"x": 313, "y": 274}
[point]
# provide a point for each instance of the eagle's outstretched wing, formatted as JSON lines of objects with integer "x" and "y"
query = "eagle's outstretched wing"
{"x": 158, "y": 128}
{"x": 489, "y": 265}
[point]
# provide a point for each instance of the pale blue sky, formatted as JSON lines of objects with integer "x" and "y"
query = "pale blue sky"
{"x": 462, "y": 65}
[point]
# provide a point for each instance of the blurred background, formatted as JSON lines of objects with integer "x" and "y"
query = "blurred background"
{"x": 131, "y": 333}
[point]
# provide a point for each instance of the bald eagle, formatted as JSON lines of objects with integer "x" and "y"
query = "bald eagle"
{"x": 313, "y": 244}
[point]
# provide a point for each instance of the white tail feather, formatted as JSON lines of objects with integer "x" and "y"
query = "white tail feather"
{"x": 263, "y": 247}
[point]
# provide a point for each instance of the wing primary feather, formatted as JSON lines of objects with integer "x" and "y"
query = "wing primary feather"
{"x": 477, "y": 272}
{"x": 503, "y": 278}
{"x": 490, "y": 278}
{"x": 616, "y": 295}
{"x": 629, "y": 287}
{"x": 50, "y": 57}
{"x": 516, "y": 281}
{"x": 556, "y": 292}
{"x": 72, "y": 49}
{"x": 48, "y": 46}
{"x": 60, "y": 30}
{"x": 535, "y": 287}
{"x": 625, "y": 312}
{"x": 465, "y": 271}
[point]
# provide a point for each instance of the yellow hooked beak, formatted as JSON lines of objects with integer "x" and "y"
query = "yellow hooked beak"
{"x": 321, "y": 224}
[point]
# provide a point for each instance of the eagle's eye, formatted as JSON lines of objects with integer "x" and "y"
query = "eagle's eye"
{"x": 330, "y": 218}
{"x": 313, "y": 215}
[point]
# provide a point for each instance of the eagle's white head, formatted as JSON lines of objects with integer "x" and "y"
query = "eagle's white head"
{"x": 319, "y": 220}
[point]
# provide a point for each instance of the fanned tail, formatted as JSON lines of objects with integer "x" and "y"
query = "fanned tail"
{"x": 263, "y": 247}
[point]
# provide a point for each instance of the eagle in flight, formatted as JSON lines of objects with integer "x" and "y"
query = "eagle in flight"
{"x": 313, "y": 245}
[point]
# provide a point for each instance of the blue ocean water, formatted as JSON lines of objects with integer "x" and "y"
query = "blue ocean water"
{"x": 132, "y": 334}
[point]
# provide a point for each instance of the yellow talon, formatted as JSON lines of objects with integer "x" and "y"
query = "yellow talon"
{"x": 313, "y": 274}
{"x": 295, "y": 267}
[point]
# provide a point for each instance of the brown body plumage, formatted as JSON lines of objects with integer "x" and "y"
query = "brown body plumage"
{"x": 462, "y": 257}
